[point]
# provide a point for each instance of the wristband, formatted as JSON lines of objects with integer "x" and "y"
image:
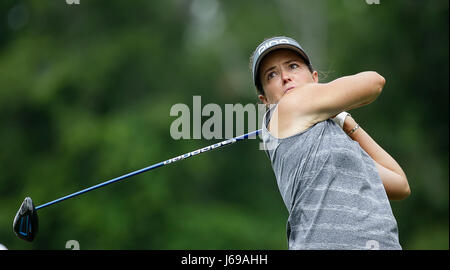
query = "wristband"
{"x": 340, "y": 119}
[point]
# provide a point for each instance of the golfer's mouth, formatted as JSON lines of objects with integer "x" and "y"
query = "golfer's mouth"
{"x": 289, "y": 88}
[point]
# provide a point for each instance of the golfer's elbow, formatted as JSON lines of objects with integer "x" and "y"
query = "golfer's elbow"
{"x": 402, "y": 192}
{"x": 373, "y": 85}
{"x": 377, "y": 83}
{"x": 407, "y": 189}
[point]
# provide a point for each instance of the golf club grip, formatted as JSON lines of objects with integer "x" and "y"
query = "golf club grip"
{"x": 154, "y": 166}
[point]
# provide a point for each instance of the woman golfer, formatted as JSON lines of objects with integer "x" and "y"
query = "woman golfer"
{"x": 335, "y": 180}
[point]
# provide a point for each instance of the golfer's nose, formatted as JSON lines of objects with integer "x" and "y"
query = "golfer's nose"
{"x": 285, "y": 76}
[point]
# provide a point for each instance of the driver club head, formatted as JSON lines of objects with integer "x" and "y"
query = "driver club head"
{"x": 25, "y": 223}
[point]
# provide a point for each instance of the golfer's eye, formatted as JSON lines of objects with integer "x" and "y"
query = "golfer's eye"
{"x": 293, "y": 66}
{"x": 271, "y": 75}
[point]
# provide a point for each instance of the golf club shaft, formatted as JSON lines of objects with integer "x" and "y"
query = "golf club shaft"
{"x": 154, "y": 166}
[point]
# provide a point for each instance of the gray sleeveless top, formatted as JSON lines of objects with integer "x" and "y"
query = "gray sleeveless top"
{"x": 332, "y": 190}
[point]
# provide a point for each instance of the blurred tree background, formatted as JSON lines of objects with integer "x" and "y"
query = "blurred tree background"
{"x": 86, "y": 91}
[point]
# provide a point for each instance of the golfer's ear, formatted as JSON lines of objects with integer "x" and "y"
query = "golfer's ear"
{"x": 315, "y": 76}
{"x": 263, "y": 99}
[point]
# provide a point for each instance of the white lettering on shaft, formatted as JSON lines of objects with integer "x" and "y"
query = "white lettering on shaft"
{"x": 214, "y": 146}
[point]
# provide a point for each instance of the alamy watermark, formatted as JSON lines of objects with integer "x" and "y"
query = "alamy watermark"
{"x": 71, "y": 2}
{"x": 373, "y": 245}
{"x": 232, "y": 121}
{"x": 73, "y": 245}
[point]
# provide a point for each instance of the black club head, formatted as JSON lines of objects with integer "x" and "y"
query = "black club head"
{"x": 25, "y": 223}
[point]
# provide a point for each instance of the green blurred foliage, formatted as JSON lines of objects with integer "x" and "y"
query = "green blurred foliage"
{"x": 86, "y": 91}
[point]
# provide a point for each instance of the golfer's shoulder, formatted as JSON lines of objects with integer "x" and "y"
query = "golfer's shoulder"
{"x": 300, "y": 101}
{"x": 296, "y": 109}
{"x": 289, "y": 120}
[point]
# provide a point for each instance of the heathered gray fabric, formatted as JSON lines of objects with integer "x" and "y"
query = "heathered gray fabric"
{"x": 332, "y": 190}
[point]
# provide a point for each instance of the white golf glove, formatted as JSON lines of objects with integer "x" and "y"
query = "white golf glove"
{"x": 340, "y": 118}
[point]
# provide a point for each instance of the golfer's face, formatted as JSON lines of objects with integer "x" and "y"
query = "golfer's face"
{"x": 282, "y": 71}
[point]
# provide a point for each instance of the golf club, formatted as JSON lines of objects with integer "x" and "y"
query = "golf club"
{"x": 25, "y": 223}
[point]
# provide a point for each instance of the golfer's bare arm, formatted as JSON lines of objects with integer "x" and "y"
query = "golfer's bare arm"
{"x": 317, "y": 102}
{"x": 394, "y": 179}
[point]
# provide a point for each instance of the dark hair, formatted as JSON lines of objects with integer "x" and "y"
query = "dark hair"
{"x": 259, "y": 88}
